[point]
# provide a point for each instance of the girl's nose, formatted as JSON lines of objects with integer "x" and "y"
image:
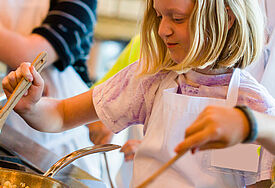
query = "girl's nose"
{"x": 165, "y": 29}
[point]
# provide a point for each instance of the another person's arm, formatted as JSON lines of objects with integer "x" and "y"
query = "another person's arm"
{"x": 69, "y": 28}
{"x": 221, "y": 127}
{"x": 266, "y": 131}
{"x": 16, "y": 48}
{"x": 66, "y": 34}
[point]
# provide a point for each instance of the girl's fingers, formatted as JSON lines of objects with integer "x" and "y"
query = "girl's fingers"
{"x": 18, "y": 74}
{"x": 129, "y": 157}
{"x": 123, "y": 148}
{"x": 98, "y": 139}
{"x": 12, "y": 79}
{"x": 126, "y": 149}
{"x": 105, "y": 140}
{"x": 26, "y": 72}
{"x": 8, "y": 89}
{"x": 37, "y": 79}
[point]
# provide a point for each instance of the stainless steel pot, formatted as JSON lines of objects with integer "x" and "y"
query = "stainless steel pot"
{"x": 16, "y": 177}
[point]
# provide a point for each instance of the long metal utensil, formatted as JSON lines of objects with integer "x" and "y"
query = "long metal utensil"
{"x": 108, "y": 170}
{"x": 161, "y": 170}
{"x": 77, "y": 154}
{"x": 21, "y": 89}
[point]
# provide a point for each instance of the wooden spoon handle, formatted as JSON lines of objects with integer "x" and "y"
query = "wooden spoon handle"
{"x": 161, "y": 170}
{"x": 20, "y": 89}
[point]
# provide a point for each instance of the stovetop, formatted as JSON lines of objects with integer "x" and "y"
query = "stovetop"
{"x": 11, "y": 161}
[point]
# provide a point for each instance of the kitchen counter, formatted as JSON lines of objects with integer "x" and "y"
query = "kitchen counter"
{"x": 39, "y": 159}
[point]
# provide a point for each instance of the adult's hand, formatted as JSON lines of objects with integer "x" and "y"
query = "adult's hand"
{"x": 99, "y": 133}
{"x": 216, "y": 127}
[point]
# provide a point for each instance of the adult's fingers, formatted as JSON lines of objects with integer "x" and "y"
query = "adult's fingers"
{"x": 195, "y": 141}
{"x": 213, "y": 145}
{"x": 196, "y": 126}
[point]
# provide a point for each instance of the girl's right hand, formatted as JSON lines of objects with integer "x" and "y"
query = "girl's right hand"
{"x": 34, "y": 93}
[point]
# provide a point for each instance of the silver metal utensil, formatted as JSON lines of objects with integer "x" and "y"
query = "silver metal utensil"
{"x": 108, "y": 170}
{"x": 77, "y": 154}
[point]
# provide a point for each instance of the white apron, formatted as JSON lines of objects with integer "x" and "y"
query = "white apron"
{"x": 171, "y": 114}
{"x": 22, "y": 16}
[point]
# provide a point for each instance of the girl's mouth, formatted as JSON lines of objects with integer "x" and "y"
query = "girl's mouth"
{"x": 171, "y": 45}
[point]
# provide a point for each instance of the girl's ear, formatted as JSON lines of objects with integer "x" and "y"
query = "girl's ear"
{"x": 231, "y": 17}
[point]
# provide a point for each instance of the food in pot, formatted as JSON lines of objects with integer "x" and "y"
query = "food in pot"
{"x": 8, "y": 184}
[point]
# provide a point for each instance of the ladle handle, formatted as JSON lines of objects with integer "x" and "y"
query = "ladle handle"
{"x": 77, "y": 154}
{"x": 20, "y": 89}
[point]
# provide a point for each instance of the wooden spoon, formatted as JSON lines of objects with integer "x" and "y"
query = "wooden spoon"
{"x": 161, "y": 170}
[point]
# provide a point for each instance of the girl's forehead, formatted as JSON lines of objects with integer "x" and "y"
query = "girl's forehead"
{"x": 180, "y": 6}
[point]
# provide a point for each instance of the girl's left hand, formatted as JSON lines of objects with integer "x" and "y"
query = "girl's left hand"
{"x": 216, "y": 127}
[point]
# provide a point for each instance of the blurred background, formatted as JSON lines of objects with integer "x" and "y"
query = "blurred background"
{"x": 118, "y": 22}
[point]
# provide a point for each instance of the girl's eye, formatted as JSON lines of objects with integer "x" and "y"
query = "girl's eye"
{"x": 159, "y": 17}
{"x": 179, "y": 20}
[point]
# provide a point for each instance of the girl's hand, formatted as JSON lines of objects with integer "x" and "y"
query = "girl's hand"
{"x": 34, "y": 93}
{"x": 129, "y": 149}
{"x": 216, "y": 127}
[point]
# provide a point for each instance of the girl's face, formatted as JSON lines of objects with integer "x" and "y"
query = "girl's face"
{"x": 174, "y": 26}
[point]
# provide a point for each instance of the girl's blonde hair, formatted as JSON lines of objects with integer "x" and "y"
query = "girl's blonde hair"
{"x": 212, "y": 44}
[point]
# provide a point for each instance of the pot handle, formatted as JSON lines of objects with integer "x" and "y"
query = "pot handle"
{"x": 77, "y": 154}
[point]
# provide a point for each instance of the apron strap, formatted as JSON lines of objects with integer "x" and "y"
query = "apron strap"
{"x": 233, "y": 88}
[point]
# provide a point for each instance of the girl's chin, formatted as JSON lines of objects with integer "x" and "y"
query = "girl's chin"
{"x": 176, "y": 59}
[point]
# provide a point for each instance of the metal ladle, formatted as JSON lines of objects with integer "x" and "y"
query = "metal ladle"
{"x": 77, "y": 154}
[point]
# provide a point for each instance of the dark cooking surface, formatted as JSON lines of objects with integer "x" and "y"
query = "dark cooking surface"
{"x": 11, "y": 161}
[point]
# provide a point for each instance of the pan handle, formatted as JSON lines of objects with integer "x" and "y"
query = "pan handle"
{"x": 77, "y": 154}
